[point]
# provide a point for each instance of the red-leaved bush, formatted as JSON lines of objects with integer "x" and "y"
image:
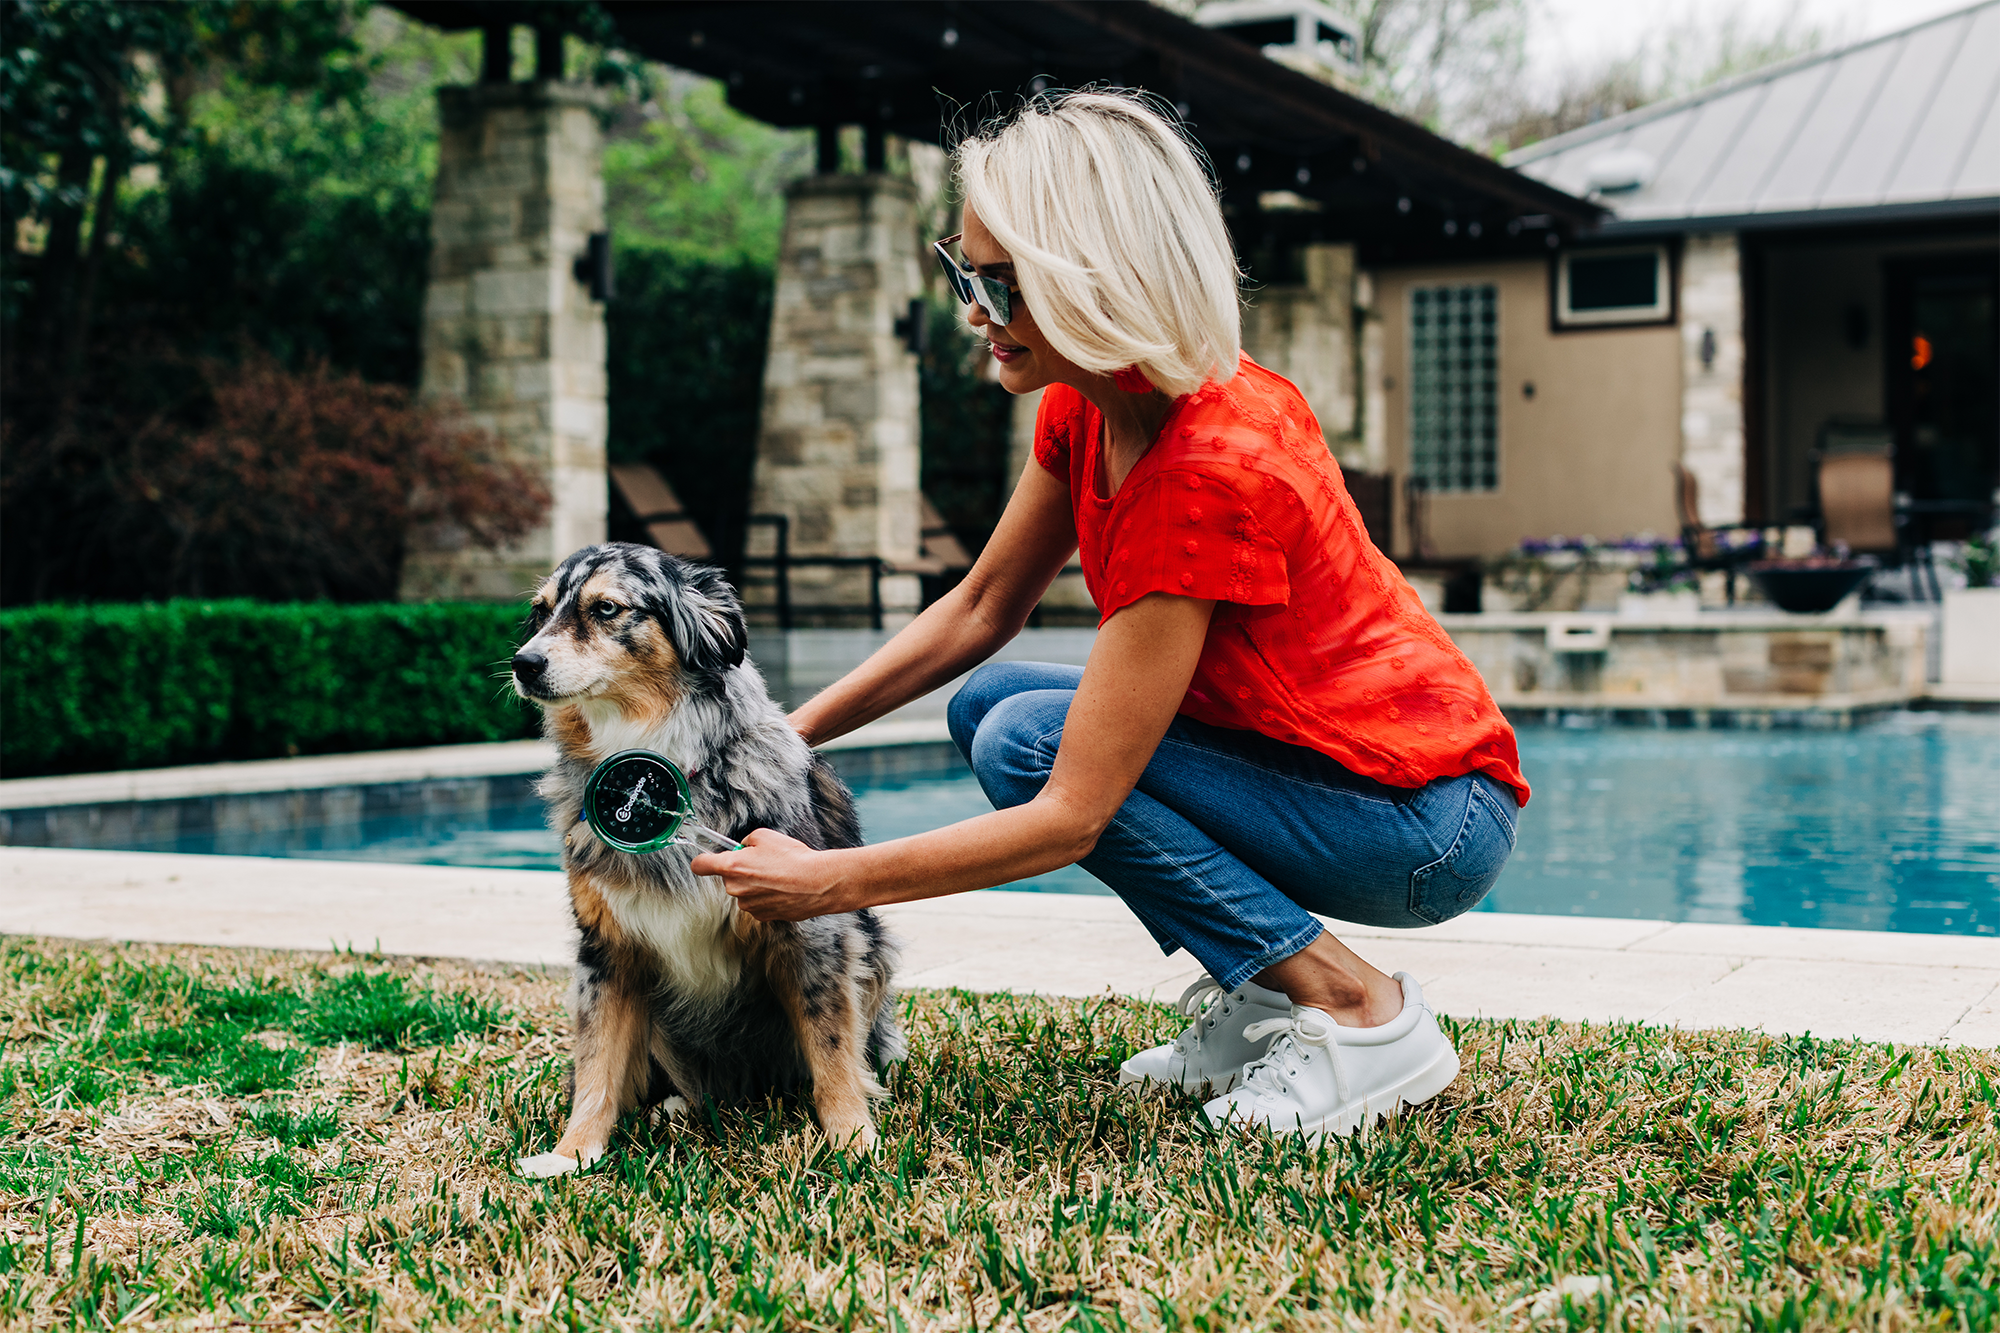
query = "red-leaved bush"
{"x": 251, "y": 480}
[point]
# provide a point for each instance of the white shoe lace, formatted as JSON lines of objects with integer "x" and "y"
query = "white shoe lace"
{"x": 1203, "y": 993}
{"x": 1302, "y": 1034}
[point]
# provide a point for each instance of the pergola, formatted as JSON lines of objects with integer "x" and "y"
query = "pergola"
{"x": 923, "y": 69}
{"x": 1317, "y": 184}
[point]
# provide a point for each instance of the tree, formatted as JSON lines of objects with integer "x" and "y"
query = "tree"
{"x": 75, "y": 79}
{"x": 243, "y": 424}
{"x": 1675, "y": 59}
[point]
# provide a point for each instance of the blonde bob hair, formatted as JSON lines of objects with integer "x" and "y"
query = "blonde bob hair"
{"x": 1115, "y": 234}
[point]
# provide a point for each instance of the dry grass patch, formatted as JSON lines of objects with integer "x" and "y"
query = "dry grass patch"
{"x": 202, "y": 1138}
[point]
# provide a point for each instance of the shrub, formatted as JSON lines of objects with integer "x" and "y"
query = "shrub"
{"x": 140, "y": 685}
{"x": 245, "y": 479}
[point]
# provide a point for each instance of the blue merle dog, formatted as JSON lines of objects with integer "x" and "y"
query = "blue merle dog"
{"x": 678, "y": 996}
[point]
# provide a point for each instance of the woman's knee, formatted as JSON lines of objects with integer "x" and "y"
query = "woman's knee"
{"x": 994, "y": 683}
{"x": 1014, "y": 747}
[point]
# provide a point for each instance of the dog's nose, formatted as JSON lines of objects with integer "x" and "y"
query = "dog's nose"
{"x": 530, "y": 666}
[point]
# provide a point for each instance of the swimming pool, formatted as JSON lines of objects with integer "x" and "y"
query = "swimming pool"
{"x": 1891, "y": 826}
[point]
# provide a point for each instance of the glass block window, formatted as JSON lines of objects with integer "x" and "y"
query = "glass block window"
{"x": 1455, "y": 387}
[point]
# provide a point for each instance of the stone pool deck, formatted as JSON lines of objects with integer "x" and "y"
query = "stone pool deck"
{"x": 1876, "y": 986}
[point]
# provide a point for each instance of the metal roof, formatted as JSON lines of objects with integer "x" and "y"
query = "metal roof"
{"x": 1906, "y": 124}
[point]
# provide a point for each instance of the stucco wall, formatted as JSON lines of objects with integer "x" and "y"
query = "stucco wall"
{"x": 1591, "y": 452}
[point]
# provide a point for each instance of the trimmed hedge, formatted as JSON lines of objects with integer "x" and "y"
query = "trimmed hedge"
{"x": 108, "y": 686}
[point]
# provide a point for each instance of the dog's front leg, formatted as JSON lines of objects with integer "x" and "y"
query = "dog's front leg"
{"x": 611, "y": 1026}
{"x": 819, "y": 993}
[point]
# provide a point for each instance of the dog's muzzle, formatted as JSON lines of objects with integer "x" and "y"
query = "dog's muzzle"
{"x": 530, "y": 668}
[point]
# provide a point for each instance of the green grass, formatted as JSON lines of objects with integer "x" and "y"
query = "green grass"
{"x": 1711, "y": 1180}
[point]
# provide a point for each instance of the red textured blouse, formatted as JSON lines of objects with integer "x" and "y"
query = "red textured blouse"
{"x": 1316, "y": 640}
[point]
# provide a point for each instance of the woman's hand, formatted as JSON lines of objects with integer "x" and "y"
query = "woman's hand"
{"x": 776, "y": 878}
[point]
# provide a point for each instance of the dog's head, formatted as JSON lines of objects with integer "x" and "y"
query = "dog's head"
{"x": 632, "y": 626}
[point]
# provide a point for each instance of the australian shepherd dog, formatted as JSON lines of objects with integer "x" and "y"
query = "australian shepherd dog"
{"x": 677, "y": 994}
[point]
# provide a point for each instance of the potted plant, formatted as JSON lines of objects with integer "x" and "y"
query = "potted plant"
{"x": 1971, "y": 646}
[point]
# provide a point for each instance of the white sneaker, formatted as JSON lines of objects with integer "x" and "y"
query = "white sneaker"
{"x": 1321, "y": 1078}
{"x": 1214, "y": 1049}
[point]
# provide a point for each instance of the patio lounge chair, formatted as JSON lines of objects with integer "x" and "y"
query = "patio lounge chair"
{"x": 653, "y": 502}
{"x": 1855, "y": 480}
{"x": 1705, "y": 547}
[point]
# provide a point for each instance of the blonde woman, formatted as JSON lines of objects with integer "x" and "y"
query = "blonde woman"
{"x": 1269, "y": 726}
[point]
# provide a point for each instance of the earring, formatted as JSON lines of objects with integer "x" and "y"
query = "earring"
{"x": 1132, "y": 380}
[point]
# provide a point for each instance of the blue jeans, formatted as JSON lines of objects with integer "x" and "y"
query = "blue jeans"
{"x": 1231, "y": 840}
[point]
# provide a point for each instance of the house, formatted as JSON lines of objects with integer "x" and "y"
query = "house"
{"x": 1795, "y": 259}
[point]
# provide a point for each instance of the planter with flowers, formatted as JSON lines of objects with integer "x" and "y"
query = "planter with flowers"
{"x": 1971, "y": 653}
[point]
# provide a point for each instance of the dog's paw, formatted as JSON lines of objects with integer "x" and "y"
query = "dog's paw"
{"x": 672, "y": 1108}
{"x": 853, "y": 1138}
{"x": 546, "y": 1165}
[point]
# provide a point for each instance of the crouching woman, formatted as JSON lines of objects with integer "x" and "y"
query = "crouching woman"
{"x": 1270, "y": 725}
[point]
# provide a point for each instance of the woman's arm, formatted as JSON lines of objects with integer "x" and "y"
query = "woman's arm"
{"x": 1137, "y": 676}
{"x": 964, "y": 627}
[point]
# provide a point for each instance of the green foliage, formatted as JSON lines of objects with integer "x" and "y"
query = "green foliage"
{"x": 138, "y": 685}
{"x": 701, "y": 179}
{"x": 1979, "y": 560}
{"x": 687, "y": 337}
{"x": 292, "y": 224}
{"x": 967, "y": 425}
{"x": 695, "y": 203}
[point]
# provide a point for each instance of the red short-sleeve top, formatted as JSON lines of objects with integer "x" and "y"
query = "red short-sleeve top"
{"x": 1317, "y": 640}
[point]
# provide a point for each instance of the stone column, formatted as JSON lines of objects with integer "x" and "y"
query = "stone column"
{"x": 512, "y": 337}
{"x": 1307, "y": 334}
{"x": 837, "y": 437}
{"x": 1711, "y": 300}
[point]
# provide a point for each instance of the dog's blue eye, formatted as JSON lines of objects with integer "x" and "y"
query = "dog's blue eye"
{"x": 606, "y": 610}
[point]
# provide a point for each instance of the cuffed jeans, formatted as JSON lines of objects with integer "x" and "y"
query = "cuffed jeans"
{"x": 1231, "y": 840}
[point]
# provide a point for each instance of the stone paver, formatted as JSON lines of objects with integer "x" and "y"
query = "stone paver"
{"x": 1880, "y": 987}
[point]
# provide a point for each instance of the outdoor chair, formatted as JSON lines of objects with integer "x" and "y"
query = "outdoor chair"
{"x": 1705, "y": 547}
{"x": 653, "y": 502}
{"x": 1855, "y": 486}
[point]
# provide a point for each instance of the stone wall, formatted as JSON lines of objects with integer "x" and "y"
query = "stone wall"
{"x": 511, "y": 336}
{"x": 1741, "y": 662}
{"x": 838, "y": 435}
{"x": 1311, "y": 334}
{"x": 1711, "y": 299}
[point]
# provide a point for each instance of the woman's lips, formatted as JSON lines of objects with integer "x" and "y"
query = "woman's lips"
{"x": 1005, "y": 352}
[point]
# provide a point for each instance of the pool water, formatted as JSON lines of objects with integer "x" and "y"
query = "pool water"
{"x": 1891, "y": 826}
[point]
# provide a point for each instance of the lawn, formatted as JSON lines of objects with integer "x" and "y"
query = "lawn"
{"x": 199, "y": 1137}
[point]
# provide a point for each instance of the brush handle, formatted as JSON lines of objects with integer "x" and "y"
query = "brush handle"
{"x": 729, "y": 844}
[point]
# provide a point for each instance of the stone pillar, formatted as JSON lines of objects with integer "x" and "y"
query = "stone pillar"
{"x": 837, "y": 438}
{"x": 1307, "y": 334}
{"x": 512, "y": 337}
{"x": 1711, "y": 300}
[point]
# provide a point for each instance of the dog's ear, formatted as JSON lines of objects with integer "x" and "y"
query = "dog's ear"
{"x": 709, "y": 623}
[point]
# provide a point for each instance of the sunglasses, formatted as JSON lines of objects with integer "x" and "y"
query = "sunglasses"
{"x": 993, "y": 296}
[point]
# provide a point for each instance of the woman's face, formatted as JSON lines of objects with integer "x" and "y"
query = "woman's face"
{"x": 1026, "y": 361}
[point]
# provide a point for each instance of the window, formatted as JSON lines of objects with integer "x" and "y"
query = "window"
{"x": 1455, "y": 387}
{"x": 1598, "y": 287}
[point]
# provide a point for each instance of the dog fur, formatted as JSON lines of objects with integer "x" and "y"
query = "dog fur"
{"x": 677, "y": 996}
